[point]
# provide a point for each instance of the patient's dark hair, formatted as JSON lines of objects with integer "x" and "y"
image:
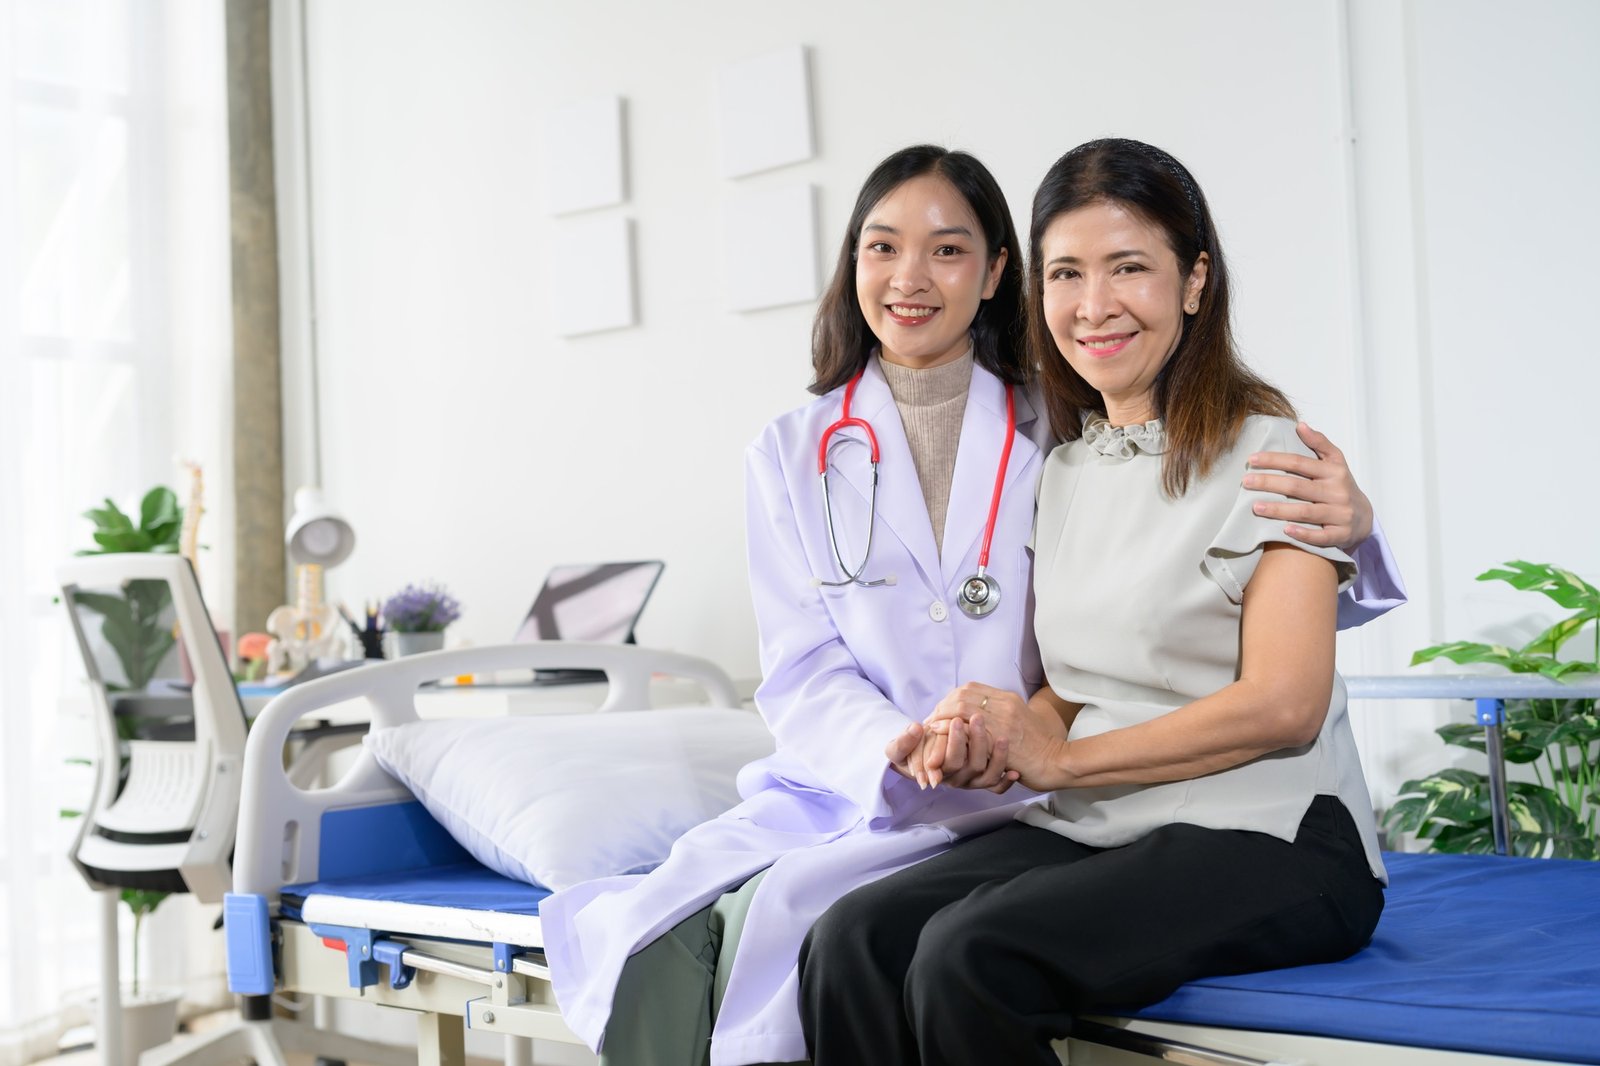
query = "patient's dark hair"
{"x": 1204, "y": 392}
{"x": 840, "y": 338}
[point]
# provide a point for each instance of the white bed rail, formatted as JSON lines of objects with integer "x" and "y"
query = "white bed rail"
{"x": 279, "y": 821}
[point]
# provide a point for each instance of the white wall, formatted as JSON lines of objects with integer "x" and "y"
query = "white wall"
{"x": 1475, "y": 164}
{"x": 1392, "y": 183}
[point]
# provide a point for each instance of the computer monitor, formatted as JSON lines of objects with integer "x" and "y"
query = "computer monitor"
{"x": 595, "y": 602}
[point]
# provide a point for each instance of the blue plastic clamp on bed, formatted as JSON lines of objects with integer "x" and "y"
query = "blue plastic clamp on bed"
{"x": 364, "y": 950}
{"x": 247, "y": 933}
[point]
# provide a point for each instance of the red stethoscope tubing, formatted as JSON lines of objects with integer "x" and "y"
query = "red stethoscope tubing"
{"x": 872, "y": 440}
{"x": 999, "y": 480}
{"x": 845, "y": 421}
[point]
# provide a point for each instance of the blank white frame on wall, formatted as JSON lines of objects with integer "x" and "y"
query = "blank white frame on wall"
{"x": 592, "y": 280}
{"x": 585, "y": 155}
{"x": 780, "y": 221}
{"x": 764, "y": 112}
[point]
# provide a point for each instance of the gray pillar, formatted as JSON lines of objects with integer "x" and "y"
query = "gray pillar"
{"x": 260, "y": 580}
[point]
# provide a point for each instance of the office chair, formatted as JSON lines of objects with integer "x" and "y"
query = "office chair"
{"x": 165, "y": 805}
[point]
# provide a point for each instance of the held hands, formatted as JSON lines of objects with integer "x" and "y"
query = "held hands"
{"x": 1321, "y": 491}
{"x": 984, "y": 737}
{"x": 958, "y": 753}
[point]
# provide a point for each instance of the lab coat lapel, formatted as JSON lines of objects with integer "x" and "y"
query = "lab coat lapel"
{"x": 901, "y": 508}
{"x": 983, "y": 428}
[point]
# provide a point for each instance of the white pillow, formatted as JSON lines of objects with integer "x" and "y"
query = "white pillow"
{"x": 559, "y": 799}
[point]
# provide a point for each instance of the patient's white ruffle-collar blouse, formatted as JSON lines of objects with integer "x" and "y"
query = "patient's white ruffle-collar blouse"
{"x": 1124, "y": 442}
{"x": 1138, "y": 612}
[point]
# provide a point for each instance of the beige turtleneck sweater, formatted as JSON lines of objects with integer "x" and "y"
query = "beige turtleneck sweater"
{"x": 932, "y": 403}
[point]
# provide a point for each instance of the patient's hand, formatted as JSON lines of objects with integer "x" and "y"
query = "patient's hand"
{"x": 1320, "y": 491}
{"x": 1026, "y": 734}
{"x": 962, "y": 753}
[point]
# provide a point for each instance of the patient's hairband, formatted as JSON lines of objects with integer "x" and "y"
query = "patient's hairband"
{"x": 1176, "y": 168}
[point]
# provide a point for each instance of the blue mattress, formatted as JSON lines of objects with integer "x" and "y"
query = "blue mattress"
{"x": 466, "y": 885}
{"x": 1474, "y": 953}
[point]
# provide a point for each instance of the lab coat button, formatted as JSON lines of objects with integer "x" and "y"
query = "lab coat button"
{"x": 938, "y": 611}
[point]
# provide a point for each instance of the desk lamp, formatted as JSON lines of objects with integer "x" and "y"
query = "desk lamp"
{"x": 316, "y": 538}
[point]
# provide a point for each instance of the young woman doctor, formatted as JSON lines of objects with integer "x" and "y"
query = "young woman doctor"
{"x": 858, "y": 578}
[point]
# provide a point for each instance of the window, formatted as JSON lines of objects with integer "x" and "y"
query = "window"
{"x": 115, "y": 348}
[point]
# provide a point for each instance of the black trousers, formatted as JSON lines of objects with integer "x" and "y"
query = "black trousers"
{"x": 985, "y": 953}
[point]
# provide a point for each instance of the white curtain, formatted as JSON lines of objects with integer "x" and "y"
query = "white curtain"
{"x": 115, "y": 366}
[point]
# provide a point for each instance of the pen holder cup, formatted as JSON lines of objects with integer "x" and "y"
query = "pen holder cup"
{"x": 371, "y": 643}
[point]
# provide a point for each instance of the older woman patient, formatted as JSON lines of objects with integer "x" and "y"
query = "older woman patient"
{"x": 1206, "y": 811}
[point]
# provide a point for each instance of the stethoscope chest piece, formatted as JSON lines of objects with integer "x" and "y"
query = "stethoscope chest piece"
{"x": 980, "y": 594}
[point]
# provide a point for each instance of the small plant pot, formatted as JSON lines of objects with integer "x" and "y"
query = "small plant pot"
{"x": 148, "y": 1020}
{"x": 413, "y": 643}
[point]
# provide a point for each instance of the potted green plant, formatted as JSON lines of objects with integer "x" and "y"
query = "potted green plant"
{"x": 149, "y": 1015}
{"x": 416, "y": 618}
{"x": 1556, "y": 814}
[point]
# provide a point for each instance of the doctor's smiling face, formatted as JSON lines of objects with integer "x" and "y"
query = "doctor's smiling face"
{"x": 1114, "y": 298}
{"x": 923, "y": 268}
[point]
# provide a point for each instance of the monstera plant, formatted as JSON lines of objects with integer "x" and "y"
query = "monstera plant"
{"x": 1556, "y": 813}
{"x": 133, "y": 619}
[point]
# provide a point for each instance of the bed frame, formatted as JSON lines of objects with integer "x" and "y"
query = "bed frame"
{"x": 456, "y": 967}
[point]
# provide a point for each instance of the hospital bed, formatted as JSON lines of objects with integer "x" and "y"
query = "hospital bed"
{"x": 353, "y": 891}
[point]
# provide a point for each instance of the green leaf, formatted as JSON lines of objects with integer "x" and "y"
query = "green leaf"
{"x": 1464, "y": 840}
{"x": 109, "y": 518}
{"x": 122, "y": 541}
{"x": 1551, "y": 640}
{"x": 1566, "y": 588}
{"x": 1574, "y": 731}
{"x": 150, "y": 597}
{"x": 1407, "y": 814}
{"x": 68, "y": 812}
{"x": 141, "y": 901}
{"x": 1463, "y": 651}
{"x": 1451, "y": 795}
{"x": 1559, "y": 670}
{"x": 1463, "y": 735}
{"x": 159, "y": 508}
{"x": 134, "y": 627}
{"x": 99, "y": 602}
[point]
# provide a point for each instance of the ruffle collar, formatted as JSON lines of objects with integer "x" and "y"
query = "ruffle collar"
{"x": 1124, "y": 442}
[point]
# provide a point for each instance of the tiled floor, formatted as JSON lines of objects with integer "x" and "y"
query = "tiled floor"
{"x": 91, "y": 1057}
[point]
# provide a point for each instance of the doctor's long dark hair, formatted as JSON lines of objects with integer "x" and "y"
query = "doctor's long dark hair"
{"x": 1204, "y": 392}
{"x": 840, "y": 338}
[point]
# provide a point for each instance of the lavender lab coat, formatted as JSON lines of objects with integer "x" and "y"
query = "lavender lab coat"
{"x": 845, "y": 670}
